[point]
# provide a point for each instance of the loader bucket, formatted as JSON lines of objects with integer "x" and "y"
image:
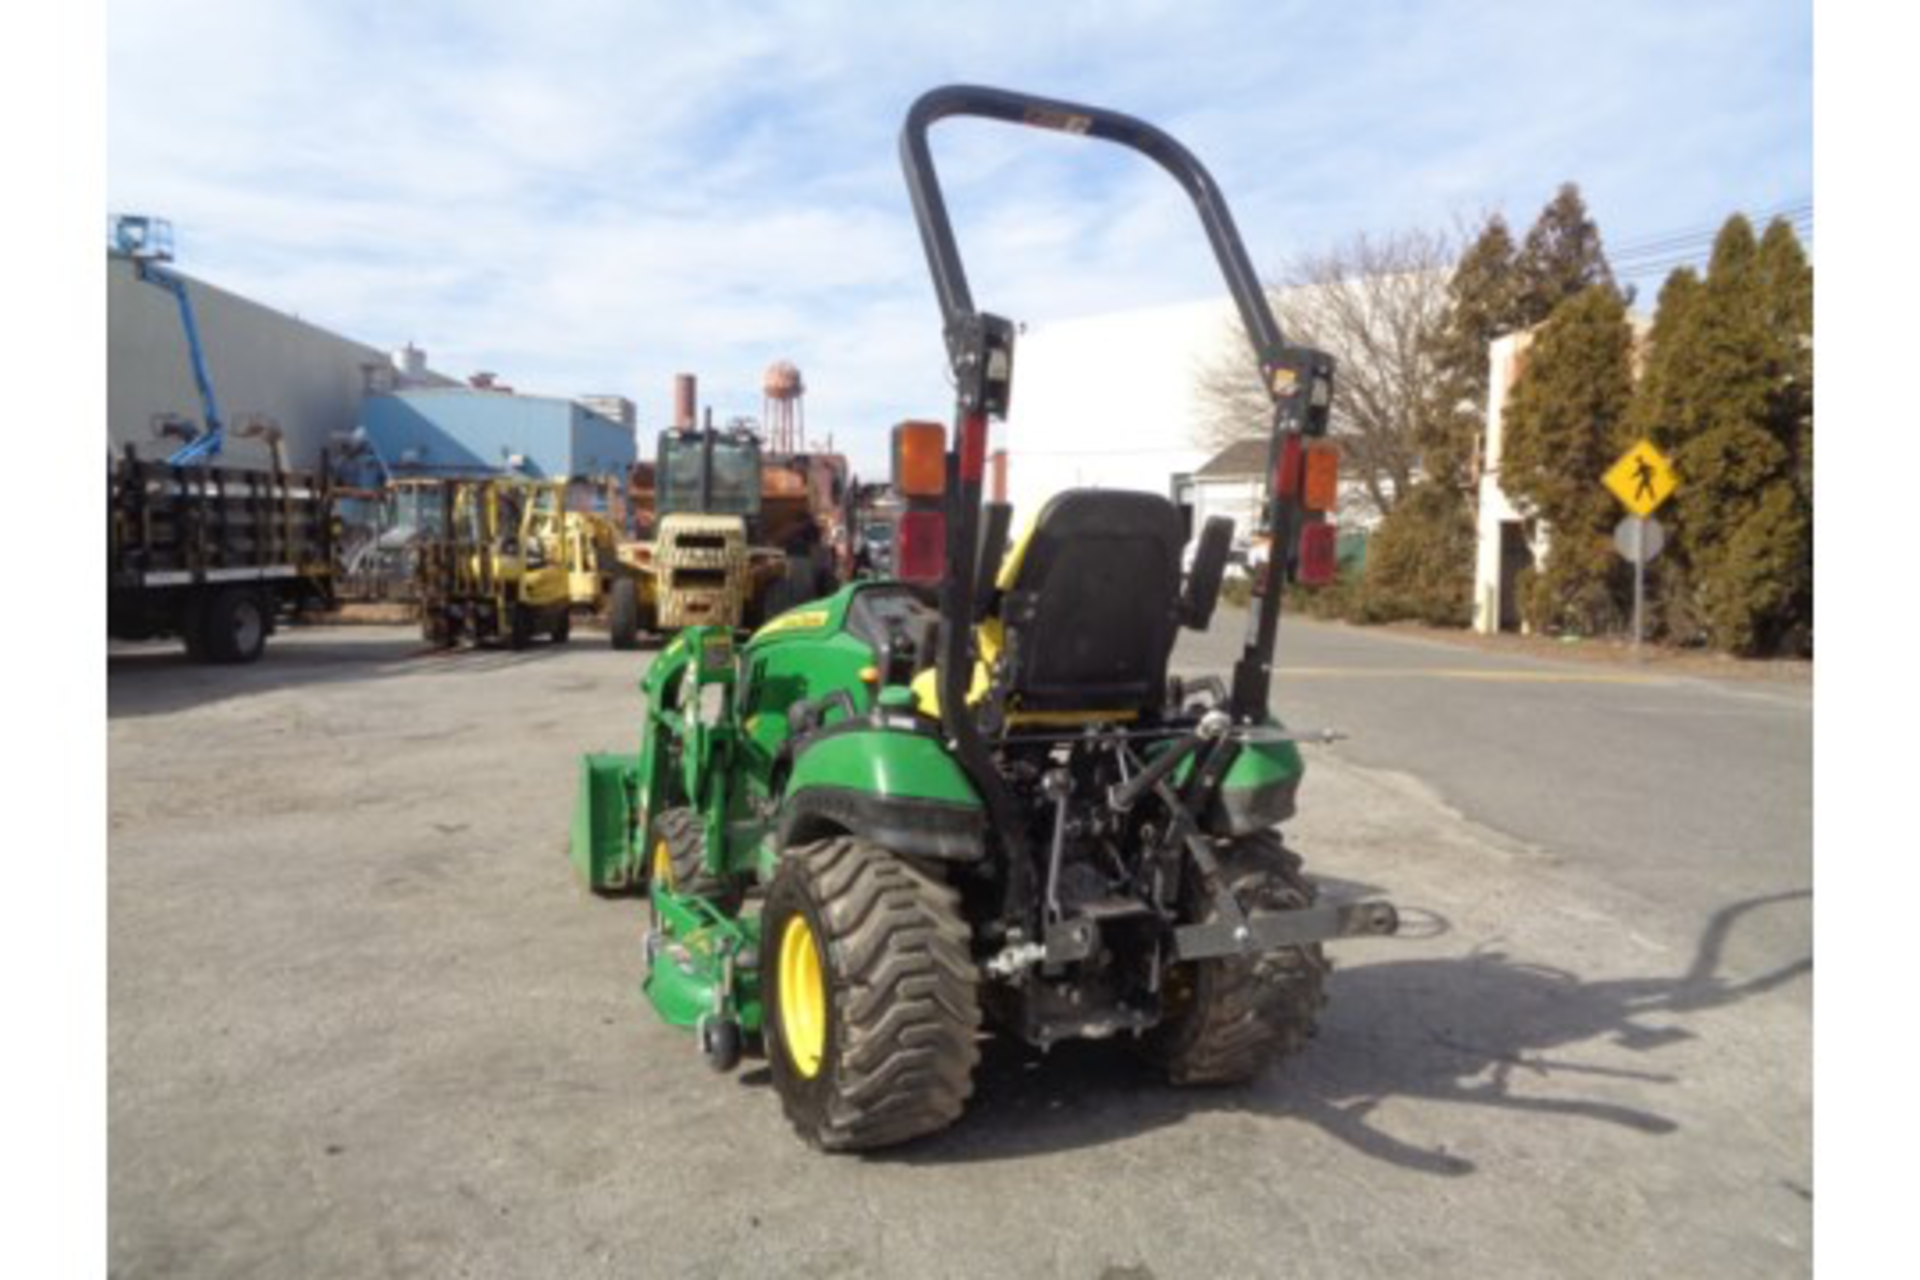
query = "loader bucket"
{"x": 602, "y": 849}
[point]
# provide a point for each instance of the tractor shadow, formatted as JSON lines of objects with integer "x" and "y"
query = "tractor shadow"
{"x": 1454, "y": 1031}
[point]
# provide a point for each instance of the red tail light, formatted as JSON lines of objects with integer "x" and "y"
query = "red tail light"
{"x": 1318, "y": 561}
{"x": 973, "y": 447}
{"x": 1287, "y": 482}
{"x": 922, "y": 553}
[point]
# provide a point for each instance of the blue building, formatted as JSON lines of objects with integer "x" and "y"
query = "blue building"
{"x": 460, "y": 431}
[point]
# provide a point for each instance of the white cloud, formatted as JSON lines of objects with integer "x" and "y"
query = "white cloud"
{"x": 590, "y": 196}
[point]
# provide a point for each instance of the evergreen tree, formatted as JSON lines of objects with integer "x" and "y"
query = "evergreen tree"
{"x": 1786, "y": 279}
{"x": 1786, "y": 283}
{"x": 1560, "y": 258}
{"x": 1670, "y": 355}
{"x": 1482, "y": 304}
{"x": 1420, "y": 560}
{"x": 1722, "y": 396}
{"x": 1565, "y": 425}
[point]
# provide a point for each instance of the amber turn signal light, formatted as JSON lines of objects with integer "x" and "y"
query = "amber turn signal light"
{"x": 920, "y": 459}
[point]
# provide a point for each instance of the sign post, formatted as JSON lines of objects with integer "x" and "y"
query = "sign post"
{"x": 1642, "y": 479}
{"x": 1639, "y": 581}
{"x": 1639, "y": 539}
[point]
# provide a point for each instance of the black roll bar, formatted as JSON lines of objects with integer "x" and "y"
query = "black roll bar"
{"x": 936, "y": 230}
{"x": 980, "y": 352}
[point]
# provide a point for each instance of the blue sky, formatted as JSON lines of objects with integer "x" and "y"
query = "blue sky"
{"x": 588, "y": 197}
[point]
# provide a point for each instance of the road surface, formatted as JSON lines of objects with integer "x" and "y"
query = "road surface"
{"x": 362, "y": 1023}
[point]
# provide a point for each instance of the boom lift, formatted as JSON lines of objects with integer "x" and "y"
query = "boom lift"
{"x": 148, "y": 242}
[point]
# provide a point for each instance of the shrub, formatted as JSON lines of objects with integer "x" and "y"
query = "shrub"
{"x": 1419, "y": 562}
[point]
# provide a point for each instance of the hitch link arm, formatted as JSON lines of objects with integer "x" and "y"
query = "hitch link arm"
{"x": 1285, "y": 929}
{"x": 1213, "y": 727}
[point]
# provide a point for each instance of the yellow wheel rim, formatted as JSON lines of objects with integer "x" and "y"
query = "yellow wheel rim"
{"x": 803, "y": 998}
{"x": 662, "y": 865}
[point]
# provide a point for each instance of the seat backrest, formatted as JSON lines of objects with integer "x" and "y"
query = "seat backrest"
{"x": 1091, "y": 604}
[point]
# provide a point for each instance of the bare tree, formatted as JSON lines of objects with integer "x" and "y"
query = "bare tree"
{"x": 1374, "y": 304}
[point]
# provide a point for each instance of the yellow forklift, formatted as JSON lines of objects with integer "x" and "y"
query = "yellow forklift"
{"x": 498, "y": 572}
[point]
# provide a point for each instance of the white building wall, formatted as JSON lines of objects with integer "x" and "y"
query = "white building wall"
{"x": 1113, "y": 401}
{"x": 261, "y": 361}
{"x": 1505, "y": 356}
{"x": 1239, "y": 500}
{"x": 1109, "y": 401}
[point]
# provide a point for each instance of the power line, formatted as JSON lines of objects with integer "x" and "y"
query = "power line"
{"x": 1660, "y": 266}
{"x": 1696, "y": 253}
{"x": 1657, "y": 266}
{"x": 1792, "y": 210}
{"x": 1708, "y": 232}
{"x": 1684, "y": 244}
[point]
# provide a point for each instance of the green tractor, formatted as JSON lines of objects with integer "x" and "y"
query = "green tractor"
{"x": 973, "y": 797}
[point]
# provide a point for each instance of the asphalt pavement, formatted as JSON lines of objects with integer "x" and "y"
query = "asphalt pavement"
{"x": 1680, "y": 791}
{"x": 363, "y": 1023}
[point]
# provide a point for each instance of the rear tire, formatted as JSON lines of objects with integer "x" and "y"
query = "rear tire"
{"x": 871, "y": 996}
{"x": 562, "y": 628}
{"x": 623, "y": 614}
{"x": 234, "y": 626}
{"x": 1229, "y": 1017}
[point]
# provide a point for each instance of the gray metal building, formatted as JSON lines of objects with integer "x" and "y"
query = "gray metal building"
{"x": 261, "y": 361}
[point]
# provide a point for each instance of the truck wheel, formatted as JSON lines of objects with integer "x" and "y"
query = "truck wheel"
{"x": 1226, "y": 1018}
{"x": 679, "y": 861}
{"x": 562, "y": 627}
{"x": 234, "y": 627}
{"x": 519, "y": 626}
{"x": 193, "y": 627}
{"x": 623, "y": 614}
{"x": 872, "y": 1006}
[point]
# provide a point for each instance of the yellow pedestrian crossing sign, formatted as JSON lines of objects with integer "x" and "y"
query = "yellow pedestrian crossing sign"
{"x": 1642, "y": 479}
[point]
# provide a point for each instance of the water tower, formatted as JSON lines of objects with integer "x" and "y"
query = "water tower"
{"x": 785, "y": 408}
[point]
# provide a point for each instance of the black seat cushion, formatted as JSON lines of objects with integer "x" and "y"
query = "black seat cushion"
{"x": 1093, "y": 609}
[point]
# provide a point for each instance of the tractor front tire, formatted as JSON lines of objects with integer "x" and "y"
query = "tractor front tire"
{"x": 872, "y": 1001}
{"x": 679, "y": 861}
{"x": 1227, "y": 1018}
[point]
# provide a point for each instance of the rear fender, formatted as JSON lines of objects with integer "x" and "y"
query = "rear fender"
{"x": 901, "y": 790}
{"x": 1258, "y": 791}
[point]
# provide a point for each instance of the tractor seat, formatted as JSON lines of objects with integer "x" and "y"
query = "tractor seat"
{"x": 1085, "y": 611}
